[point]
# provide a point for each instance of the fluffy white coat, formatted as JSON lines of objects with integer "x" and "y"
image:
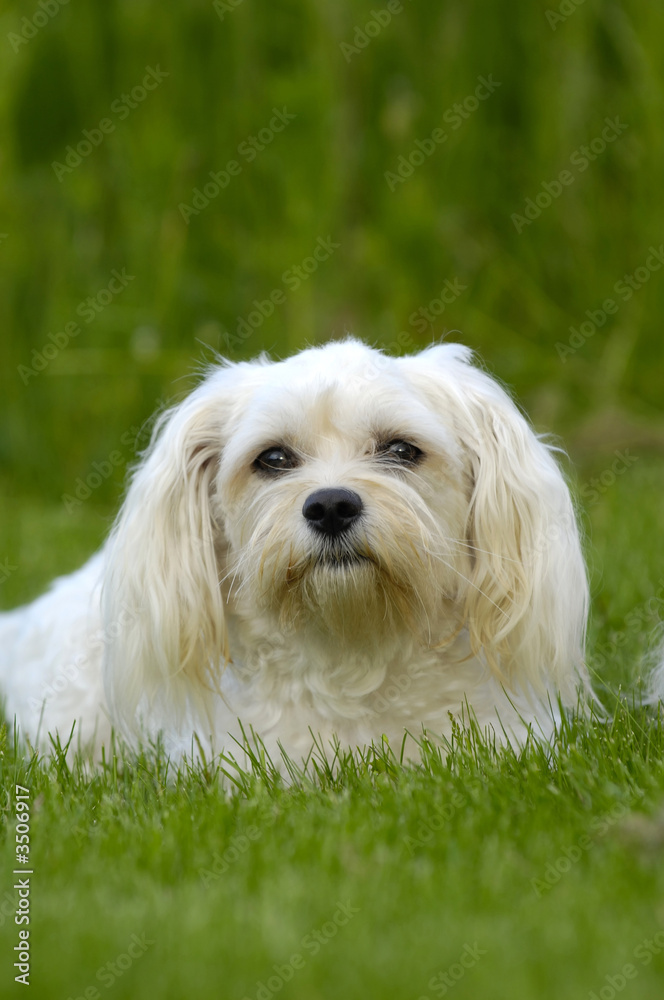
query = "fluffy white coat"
{"x": 459, "y": 588}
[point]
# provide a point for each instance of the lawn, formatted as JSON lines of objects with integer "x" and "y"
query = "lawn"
{"x": 487, "y": 173}
{"x": 491, "y": 873}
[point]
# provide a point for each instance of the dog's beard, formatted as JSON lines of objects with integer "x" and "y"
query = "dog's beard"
{"x": 377, "y": 579}
{"x": 341, "y": 588}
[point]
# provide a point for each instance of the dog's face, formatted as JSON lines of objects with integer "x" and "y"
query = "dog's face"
{"x": 344, "y": 497}
{"x": 359, "y": 496}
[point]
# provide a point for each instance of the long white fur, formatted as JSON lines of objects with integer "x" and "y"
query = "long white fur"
{"x": 207, "y": 606}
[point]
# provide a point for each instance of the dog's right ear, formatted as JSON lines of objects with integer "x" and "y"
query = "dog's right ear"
{"x": 164, "y": 626}
{"x": 526, "y": 602}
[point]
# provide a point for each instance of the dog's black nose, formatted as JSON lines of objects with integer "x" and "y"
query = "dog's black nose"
{"x": 332, "y": 511}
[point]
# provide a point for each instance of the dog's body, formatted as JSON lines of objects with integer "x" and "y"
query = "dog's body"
{"x": 342, "y": 543}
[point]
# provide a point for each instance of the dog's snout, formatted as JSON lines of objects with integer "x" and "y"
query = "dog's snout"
{"x": 332, "y": 511}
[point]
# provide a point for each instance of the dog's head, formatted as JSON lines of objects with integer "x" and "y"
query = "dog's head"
{"x": 350, "y": 494}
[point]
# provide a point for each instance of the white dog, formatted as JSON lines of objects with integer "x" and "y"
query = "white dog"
{"x": 343, "y": 543}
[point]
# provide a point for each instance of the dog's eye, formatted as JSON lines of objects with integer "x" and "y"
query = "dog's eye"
{"x": 402, "y": 452}
{"x": 275, "y": 460}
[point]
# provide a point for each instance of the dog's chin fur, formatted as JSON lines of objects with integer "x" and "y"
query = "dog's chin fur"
{"x": 351, "y": 591}
{"x": 459, "y": 587}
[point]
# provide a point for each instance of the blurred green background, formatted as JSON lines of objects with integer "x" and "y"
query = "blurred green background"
{"x": 362, "y": 99}
{"x": 365, "y": 90}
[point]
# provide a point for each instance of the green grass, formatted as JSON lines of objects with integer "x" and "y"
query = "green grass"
{"x": 119, "y": 852}
{"x": 550, "y": 865}
{"x": 541, "y": 869}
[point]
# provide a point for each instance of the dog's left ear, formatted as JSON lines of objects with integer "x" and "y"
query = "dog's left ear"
{"x": 164, "y": 624}
{"x": 526, "y": 599}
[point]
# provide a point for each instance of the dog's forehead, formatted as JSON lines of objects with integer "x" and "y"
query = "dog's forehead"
{"x": 341, "y": 392}
{"x": 334, "y": 362}
{"x": 345, "y": 389}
